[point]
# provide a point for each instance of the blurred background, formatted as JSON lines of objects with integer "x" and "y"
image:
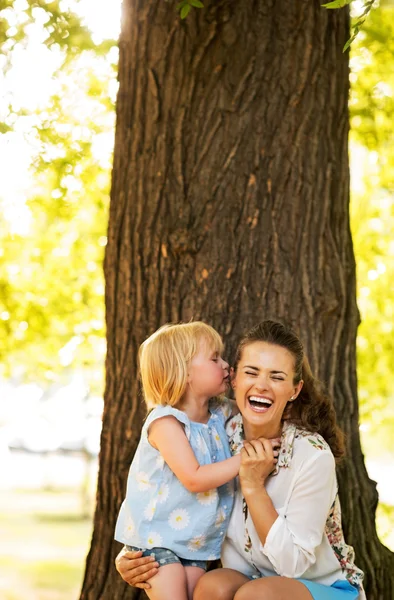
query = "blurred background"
{"x": 58, "y": 81}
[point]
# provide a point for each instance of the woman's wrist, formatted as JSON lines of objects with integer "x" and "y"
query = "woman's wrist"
{"x": 250, "y": 492}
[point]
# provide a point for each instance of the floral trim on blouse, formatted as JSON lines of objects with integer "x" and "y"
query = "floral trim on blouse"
{"x": 333, "y": 528}
{"x": 343, "y": 552}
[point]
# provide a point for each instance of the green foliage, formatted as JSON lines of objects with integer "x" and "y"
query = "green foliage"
{"x": 185, "y": 7}
{"x": 51, "y": 280}
{"x": 52, "y": 283}
{"x": 61, "y": 27}
{"x": 337, "y": 3}
{"x": 358, "y": 22}
{"x": 372, "y": 220}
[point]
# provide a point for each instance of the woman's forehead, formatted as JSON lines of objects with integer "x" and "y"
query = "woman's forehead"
{"x": 266, "y": 356}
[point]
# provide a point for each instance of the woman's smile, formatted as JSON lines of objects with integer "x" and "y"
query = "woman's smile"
{"x": 260, "y": 404}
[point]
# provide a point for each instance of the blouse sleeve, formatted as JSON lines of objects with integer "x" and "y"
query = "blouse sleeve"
{"x": 293, "y": 538}
{"x": 167, "y": 411}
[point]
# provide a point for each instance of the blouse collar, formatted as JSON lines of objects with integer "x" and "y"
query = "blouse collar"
{"x": 235, "y": 432}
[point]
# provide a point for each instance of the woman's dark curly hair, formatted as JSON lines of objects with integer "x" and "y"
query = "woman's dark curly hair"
{"x": 313, "y": 409}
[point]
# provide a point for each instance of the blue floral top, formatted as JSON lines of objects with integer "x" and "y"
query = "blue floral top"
{"x": 159, "y": 511}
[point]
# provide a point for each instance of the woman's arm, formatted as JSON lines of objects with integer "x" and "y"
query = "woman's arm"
{"x": 290, "y": 541}
{"x": 168, "y": 437}
{"x": 136, "y": 569}
{"x": 257, "y": 462}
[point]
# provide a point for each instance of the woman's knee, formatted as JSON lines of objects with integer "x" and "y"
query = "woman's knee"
{"x": 218, "y": 585}
{"x": 205, "y": 587}
{"x": 251, "y": 590}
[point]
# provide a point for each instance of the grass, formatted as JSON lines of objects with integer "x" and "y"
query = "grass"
{"x": 43, "y": 544}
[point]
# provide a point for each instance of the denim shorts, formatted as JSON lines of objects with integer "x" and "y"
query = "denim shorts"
{"x": 168, "y": 557}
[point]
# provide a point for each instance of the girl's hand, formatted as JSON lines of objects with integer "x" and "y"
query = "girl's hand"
{"x": 258, "y": 459}
{"x": 136, "y": 569}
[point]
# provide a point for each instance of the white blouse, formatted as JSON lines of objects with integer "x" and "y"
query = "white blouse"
{"x": 306, "y": 540}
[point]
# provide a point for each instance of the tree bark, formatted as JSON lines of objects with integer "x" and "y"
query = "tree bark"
{"x": 230, "y": 203}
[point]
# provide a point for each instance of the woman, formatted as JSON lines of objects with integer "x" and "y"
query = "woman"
{"x": 285, "y": 536}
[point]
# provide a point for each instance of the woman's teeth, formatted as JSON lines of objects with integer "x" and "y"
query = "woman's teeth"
{"x": 259, "y": 404}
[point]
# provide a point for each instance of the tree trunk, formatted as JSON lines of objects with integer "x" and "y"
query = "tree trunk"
{"x": 230, "y": 203}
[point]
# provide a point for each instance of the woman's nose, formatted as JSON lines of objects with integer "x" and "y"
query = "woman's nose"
{"x": 262, "y": 383}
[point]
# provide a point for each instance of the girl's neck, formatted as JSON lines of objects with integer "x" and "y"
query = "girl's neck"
{"x": 197, "y": 409}
{"x": 269, "y": 431}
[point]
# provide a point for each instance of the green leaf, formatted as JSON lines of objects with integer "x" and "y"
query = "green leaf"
{"x": 181, "y": 5}
{"x": 196, "y": 3}
{"x": 337, "y": 3}
{"x": 185, "y": 11}
{"x": 4, "y": 128}
{"x": 368, "y": 5}
{"x": 348, "y": 43}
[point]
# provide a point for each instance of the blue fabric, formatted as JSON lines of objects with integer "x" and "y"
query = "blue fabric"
{"x": 159, "y": 511}
{"x": 340, "y": 590}
{"x": 167, "y": 557}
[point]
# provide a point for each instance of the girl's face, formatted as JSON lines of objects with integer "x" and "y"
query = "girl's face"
{"x": 208, "y": 372}
{"x": 264, "y": 384}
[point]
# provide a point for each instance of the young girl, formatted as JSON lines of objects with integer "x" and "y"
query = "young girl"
{"x": 180, "y": 489}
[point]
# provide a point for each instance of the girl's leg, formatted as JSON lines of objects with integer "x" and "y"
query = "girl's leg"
{"x": 220, "y": 584}
{"x": 169, "y": 584}
{"x": 273, "y": 588}
{"x": 193, "y": 574}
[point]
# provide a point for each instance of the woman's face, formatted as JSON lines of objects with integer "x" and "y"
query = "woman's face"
{"x": 264, "y": 384}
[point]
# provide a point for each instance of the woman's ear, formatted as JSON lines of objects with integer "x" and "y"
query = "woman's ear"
{"x": 297, "y": 390}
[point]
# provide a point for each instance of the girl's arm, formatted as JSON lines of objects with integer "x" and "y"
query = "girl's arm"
{"x": 168, "y": 437}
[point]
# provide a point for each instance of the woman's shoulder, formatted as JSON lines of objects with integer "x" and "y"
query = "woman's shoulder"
{"x": 302, "y": 443}
{"x": 310, "y": 447}
{"x": 314, "y": 439}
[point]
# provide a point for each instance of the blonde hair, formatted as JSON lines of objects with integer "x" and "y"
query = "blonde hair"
{"x": 164, "y": 358}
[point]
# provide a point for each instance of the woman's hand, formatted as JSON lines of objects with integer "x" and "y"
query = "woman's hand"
{"x": 136, "y": 569}
{"x": 258, "y": 459}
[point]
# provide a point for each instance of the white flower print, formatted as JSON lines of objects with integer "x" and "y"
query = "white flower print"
{"x": 220, "y": 517}
{"x": 212, "y": 557}
{"x": 179, "y": 518}
{"x": 201, "y": 444}
{"x": 162, "y": 493}
{"x": 143, "y": 481}
{"x": 207, "y": 497}
{"x": 129, "y": 527}
{"x": 154, "y": 539}
{"x": 196, "y": 543}
{"x": 149, "y": 511}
